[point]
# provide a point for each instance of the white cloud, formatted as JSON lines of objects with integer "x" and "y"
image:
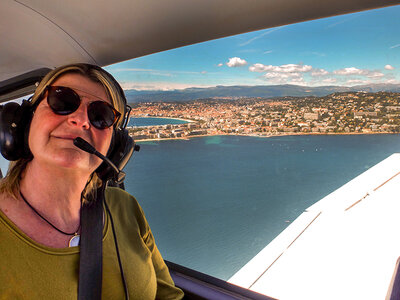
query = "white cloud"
{"x": 394, "y": 81}
{"x": 357, "y": 82}
{"x": 281, "y": 80}
{"x": 220, "y": 65}
{"x": 319, "y": 72}
{"x": 375, "y": 74}
{"x": 259, "y": 68}
{"x": 236, "y": 62}
{"x": 267, "y": 52}
{"x": 349, "y": 71}
{"x": 361, "y": 72}
{"x": 289, "y": 73}
{"x": 298, "y": 81}
{"x": 389, "y": 67}
{"x": 284, "y": 78}
{"x": 295, "y": 68}
{"x": 281, "y": 75}
{"x": 301, "y": 74}
{"x": 289, "y": 68}
{"x": 329, "y": 80}
{"x": 203, "y": 72}
{"x": 394, "y": 46}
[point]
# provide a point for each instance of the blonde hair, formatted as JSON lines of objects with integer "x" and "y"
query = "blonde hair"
{"x": 10, "y": 184}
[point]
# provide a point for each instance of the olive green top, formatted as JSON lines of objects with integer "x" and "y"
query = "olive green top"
{"x": 29, "y": 270}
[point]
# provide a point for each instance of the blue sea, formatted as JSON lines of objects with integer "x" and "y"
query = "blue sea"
{"x": 214, "y": 202}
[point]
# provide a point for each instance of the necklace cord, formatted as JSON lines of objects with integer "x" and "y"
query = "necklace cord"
{"x": 48, "y": 222}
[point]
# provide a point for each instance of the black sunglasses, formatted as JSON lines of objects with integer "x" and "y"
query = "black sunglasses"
{"x": 64, "y": 101}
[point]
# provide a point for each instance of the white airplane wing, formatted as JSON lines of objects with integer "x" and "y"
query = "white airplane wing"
{"x": 343, "y": 247}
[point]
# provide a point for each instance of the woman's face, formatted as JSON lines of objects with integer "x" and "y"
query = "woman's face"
{"x": 51, "y": 136}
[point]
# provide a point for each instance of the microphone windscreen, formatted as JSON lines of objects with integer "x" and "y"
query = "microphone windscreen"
{"x": 83, "y": 145}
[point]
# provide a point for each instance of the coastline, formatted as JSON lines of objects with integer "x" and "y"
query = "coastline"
{"x": 264, "y": 136}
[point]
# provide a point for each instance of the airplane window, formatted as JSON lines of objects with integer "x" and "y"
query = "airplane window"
{"x": 241, "y": 135}
{"x": 3, "y": 165}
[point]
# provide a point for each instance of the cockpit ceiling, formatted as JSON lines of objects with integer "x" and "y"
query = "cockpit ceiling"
{"x": 38, "y": 34}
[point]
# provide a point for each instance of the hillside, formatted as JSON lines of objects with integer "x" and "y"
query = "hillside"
{"x": 264, "y": 91}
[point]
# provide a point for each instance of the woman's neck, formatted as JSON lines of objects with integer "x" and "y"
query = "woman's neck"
{"x": 55, "y": 192}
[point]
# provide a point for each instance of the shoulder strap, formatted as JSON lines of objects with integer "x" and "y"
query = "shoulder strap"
{"x": 91, "y": 249}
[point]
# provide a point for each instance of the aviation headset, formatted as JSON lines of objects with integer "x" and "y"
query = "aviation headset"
{"x": 15, "y": 123}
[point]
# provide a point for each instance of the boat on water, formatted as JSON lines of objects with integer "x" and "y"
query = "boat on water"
{"x": 343, "y": 247}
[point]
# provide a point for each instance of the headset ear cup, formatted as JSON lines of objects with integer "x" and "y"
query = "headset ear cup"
{"x": 121, "y": 149}
{"x": 15, "y": 121}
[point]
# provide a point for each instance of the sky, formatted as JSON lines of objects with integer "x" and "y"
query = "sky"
{"x": 347, "y": 50}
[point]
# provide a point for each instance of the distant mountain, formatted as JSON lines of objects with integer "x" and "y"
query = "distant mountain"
{"x": 238, "y": 91}
{"x": 378, "y": 87}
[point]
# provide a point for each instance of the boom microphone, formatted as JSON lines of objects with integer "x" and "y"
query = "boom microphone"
{"x": 85, "y": 146}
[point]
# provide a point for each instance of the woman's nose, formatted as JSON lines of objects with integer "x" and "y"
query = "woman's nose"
{"x": 80, "y": 117}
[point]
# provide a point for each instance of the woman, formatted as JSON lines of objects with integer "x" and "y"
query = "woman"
{"x": 42, "y": 195}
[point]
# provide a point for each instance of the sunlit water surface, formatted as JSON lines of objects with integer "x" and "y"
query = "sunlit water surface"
{"x": 213, "y": 203}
